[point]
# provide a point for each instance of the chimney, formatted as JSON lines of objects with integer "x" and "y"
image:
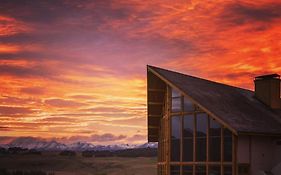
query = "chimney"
{"x": 267, "y": 90}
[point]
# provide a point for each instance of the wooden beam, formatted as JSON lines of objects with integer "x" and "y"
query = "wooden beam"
{"x": 181, "y": 135}
{"x": 250, "y": 155}
{"x": 168, "y": 120}
{"x": 152, "y": 127}
{"x": 194, "y": 140}
{"x": 208, "y": 145}
{"x": 234, "y": 155}
{"x": 260, "y": 134}
{"x": 156, "y": 90}
{"x": 155, "y": 116}
{"x": 222, "y": 150}
{"x": 155, "y": 103}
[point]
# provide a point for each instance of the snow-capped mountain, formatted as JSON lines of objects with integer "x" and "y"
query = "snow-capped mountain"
{"x": 148, "y": 145}
{"x": 34, "y": 143}
{"x": 81, "y": 146}
{"x": 44, "y": 145}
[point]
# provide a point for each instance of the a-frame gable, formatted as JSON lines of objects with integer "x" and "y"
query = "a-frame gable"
{"x": 152, "y": 128}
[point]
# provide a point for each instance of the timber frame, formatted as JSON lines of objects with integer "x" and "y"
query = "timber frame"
{"x": 159, "y": 128}
{"x": 164, "y": 147}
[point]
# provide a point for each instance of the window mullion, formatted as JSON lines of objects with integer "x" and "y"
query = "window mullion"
{"x": 194, "y": 141}
{"x": 207, "y": 152}
{"x": 222, "y": 150}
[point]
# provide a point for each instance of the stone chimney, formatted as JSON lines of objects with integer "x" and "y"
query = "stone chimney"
{"x": 267, "y": 90}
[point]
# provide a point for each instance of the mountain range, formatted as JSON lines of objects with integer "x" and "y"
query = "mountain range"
{"x": 43, "y": 145}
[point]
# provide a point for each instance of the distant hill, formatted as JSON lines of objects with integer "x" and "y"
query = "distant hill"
{"x": 43, "y": 145}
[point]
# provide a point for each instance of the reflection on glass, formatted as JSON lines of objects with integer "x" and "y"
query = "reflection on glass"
{"x": 187, "y": 170}
{"x": 188, "y": 105}
{"x": 175, "y": 93}
{"x": 201, "y": 136}
{"x": 214, "y": 170}
{"x": 176, "y": 104}
{"x": 200, "y": 170}
{"x": 227, "y": 170}
{"x": 175, "y": 138}
{"x": 227, "y": 138}
{"x": 160, "y": 170}
{"x": 215, "y": 140}
{"x": 188, "y": 128}
{"x": 175, "y": 170}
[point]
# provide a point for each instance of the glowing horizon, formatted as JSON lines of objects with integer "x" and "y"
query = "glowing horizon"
{"x": 76, "y": 70}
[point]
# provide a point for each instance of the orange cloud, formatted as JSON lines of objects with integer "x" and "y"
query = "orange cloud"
{"x": 10, "y": 26}
{"x": 84, "y": 73}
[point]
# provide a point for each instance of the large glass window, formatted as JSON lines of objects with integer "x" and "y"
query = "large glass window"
{"x": 188, "y": 105}
{"x": 200, "y": 170}
{"x": 201, "y": 136}
{"x": 187, "y": 170}
{"x": 175, "y": 170}
{"x": 227, "y": 170}
{"x": 188, "y": 129}
{"x": 227, "y": 139}
{"x": 176, "y": 101}
{"x": 215, "y": 141}
{"x": 175, "y": 138}
{"x": 191, "y": 126}
{"x": 214, "y": 170}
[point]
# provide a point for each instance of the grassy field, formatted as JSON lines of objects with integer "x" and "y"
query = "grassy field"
{"x": 78, "y": 165}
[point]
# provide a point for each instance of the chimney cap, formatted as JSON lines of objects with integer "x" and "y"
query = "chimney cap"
{"x": 269, "y": 76}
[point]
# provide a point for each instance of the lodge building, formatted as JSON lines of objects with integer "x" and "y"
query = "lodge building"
{"x": 208, "y": 128}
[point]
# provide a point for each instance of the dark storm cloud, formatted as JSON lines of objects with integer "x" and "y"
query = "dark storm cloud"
{"x": 239, "y": 13}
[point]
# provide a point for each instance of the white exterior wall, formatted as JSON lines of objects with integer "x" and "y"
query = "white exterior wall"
{"x": 243, "y": 149}
{"x": 261, "y": 152}
{"x": 264, "y": 151}
{"x": 277, "y": 158}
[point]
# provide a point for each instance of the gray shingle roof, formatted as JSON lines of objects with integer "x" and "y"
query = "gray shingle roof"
{"x": 236, "y": 107}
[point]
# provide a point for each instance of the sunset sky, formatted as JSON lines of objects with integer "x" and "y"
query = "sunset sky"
{"x": 76, "y": 70}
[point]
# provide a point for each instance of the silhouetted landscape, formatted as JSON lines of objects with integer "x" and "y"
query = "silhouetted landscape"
{"x": 22, "y": 161}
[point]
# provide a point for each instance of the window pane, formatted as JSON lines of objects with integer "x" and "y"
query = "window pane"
{"x": 188, "y": 128}
{"x": 160, "y": 169}
{"x": 215, "y": 140}
{"x": 188, "y": 105}
{"x": 175, "y": 170}
{"x": 227, "y": 170}
{"x": 187, "y": 170}
{"x": 175, "y": 93}
{"x": 227, "y": 145}
{"x": 176, "y": 104}
{"x": 214, "y": 170}
{"x": 201, "y": 136}
{"x": 243, "y": 169}
{"x": 200, "y": 170}
{"x": 175, "y": 138}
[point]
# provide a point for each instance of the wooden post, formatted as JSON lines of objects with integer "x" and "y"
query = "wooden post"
{"x": 194, "y": 141}
{"x": 222, "y": 150}
{"x": 234, "y": 155}
{"x": 168, "y": 155}
{"x": 208, "y": 143}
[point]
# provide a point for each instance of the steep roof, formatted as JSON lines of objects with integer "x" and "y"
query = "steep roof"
{"x": 237, "y": 108}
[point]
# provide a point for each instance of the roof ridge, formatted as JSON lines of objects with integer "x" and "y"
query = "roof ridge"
{"x": 211, "y": 81}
